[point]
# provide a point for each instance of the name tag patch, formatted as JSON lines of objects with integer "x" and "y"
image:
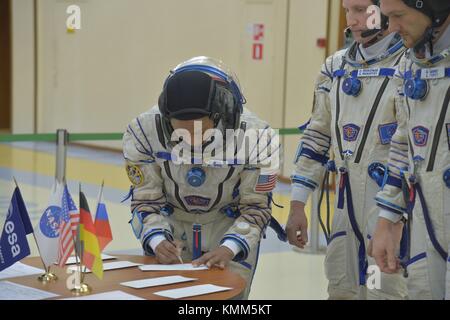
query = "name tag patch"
{"x": 197, "y": 201}
{"x": 375, "y": 72}
{"x": 432, "y": 73}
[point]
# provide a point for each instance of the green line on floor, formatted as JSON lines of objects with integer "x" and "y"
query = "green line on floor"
{"x": 117, "y": 136}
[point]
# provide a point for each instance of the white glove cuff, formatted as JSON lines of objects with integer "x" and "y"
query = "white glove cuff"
{"x": 300, "y": 193}
{"x": 155, "y": 241}
{"x": 391, "y": 216}
{"x": 233, "y": 246}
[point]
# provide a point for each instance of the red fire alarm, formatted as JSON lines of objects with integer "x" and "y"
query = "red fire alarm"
{"x": 321, "y": 42}
{"x": 258, "y": 51}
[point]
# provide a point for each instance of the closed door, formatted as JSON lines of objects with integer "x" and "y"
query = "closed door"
{"x": 307, "y": 23}
{"x": 5, "y": 66}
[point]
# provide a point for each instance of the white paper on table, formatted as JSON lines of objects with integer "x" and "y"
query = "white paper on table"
{"x": 154, "y": 282}
{"x": 19, "y": 270}
{"x": 72, "y": 259}
{"x": 191, "y": 291}
{"x": 172, "y": 267}
{"x": 14, "y": 291}
{"x": 112, "y": 266}
{"x": 112, "y": 295}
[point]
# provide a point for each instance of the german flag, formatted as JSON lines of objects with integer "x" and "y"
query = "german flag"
{"x": 91, "y": 248}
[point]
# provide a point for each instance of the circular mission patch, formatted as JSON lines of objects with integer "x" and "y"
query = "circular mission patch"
{"x": 135, "y": 175}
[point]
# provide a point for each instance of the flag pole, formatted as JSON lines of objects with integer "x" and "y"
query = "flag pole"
{"x": 76, "y": 257}
{"x": 82, "y": 260}
{"x": 47, "y": 276}
{"x": 75, "y": 239}
{"x": 98, "y": 203}
{"x": 83, "y": 288}
{"x": 79, "y": 240}
{"x": 82, "y": 251}
{"x": 15, "y": 181}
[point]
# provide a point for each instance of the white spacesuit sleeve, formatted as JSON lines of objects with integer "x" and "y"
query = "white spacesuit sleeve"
{"x": 257, "y": 183}
{"x": 391, "y": 197}
{"x": 313, "y": 150}
{"x": 147, "y": 190}
{"x": 255, "y": 215}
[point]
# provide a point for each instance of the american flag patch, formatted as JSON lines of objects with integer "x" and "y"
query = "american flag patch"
{"x": 266, "y": 183}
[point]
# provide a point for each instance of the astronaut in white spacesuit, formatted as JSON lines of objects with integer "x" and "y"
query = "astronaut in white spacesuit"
{"x": 211, "y": 209}
{"x": 418, "y": 193}
{"x": 354, "y": 117}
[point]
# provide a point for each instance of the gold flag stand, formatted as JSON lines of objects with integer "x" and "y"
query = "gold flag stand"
{"x": 83, "y": 288}
{"x": 47, "y": 276}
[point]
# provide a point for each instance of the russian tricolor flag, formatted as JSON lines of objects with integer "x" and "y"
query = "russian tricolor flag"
{"x": 102, "y": 227}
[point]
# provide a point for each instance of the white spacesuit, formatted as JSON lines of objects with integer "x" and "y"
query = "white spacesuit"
{"x": 419, "y": 168}
{"x": 355, "y": 117}
{"x": 203, "y": 205}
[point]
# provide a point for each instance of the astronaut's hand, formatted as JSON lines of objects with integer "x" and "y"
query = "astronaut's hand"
{"x": 168, "y": 253}
{"x": 219, "y": 257}
{"x": 297, "y": 225}
{"x": 385, "y": 244}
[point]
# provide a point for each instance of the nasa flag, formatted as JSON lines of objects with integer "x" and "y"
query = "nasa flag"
{"x": 13, "y": 242}
{"x": 47, "y": 229}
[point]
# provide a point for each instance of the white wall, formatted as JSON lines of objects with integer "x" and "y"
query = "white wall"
{"x": 22, "y": 15}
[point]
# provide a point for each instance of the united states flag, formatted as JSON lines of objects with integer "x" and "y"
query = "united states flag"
{"x": 70, "y": 218}
{"x": 266, "y": 183}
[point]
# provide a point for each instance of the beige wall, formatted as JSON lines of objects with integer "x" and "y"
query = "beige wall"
{"x": 100, "y": 77}
{"x": 22, "y": 20}
{"x": 308, "y": 22}
{"x": 334, "y": 27}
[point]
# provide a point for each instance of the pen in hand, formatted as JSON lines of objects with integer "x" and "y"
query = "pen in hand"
{"x": 178, "y": 255}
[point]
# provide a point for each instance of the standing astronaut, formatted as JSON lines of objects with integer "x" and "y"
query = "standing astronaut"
{"x": 419, "y": 160}
{"x": 211, "y": 210}
{"x": 354, "y": 116}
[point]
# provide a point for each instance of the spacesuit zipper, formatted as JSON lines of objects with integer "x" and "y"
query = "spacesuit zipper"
{"x": 370, "y": 120}
{"x": 372, "y": 116}
{"x": 177, "y": 189}
{"x": 437, "y": 132}
{"x": 220, "y": 191}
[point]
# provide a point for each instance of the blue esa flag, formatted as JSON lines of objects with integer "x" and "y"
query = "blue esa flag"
{"x": 13, "y": 242}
